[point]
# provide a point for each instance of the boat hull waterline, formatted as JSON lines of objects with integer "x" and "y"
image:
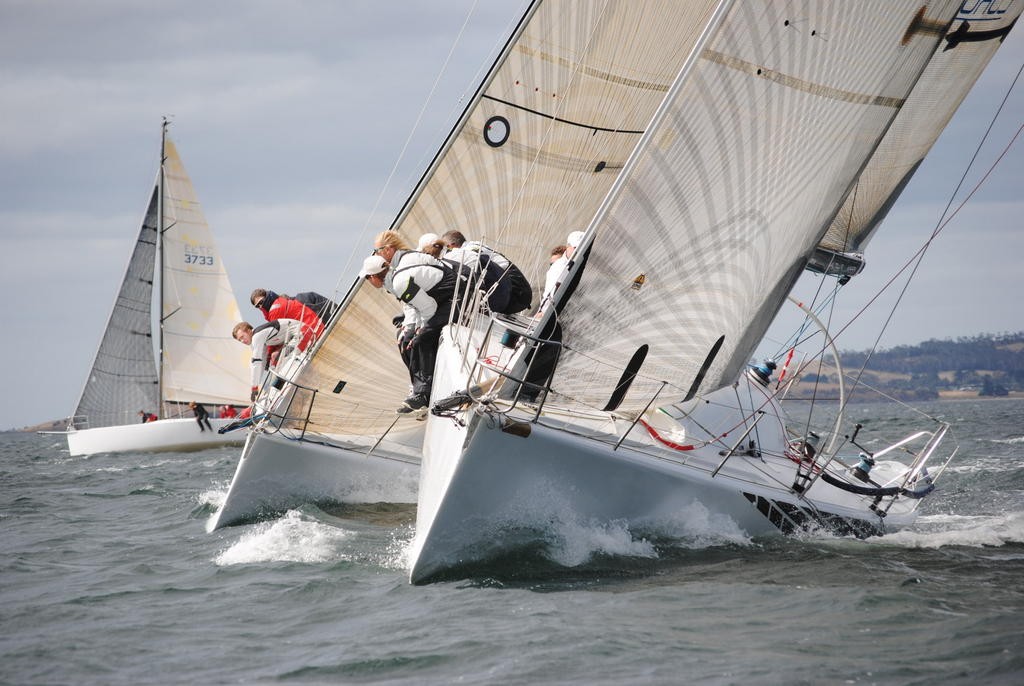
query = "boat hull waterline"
{"x": 276, "y": 473}
{"x": 493, "y": 479}
{"x": 503, "y": 485}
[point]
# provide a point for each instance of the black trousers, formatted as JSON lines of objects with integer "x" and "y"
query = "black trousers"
{"x": 420, "y": 361}
{"x": 541, "y": 360}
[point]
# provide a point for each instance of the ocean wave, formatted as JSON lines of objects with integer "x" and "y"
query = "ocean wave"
{"x": 214, "y": 496}
{"x": 574, "y": 543}
{"x": 937, "y": 531}
{"x": 1014, "y": 440}
{"x": 292, "y": 538}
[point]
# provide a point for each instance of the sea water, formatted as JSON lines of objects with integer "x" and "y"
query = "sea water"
{"x": 108, "y": 576}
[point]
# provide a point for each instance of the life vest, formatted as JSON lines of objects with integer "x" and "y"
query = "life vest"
{"x": 455, "y": 278}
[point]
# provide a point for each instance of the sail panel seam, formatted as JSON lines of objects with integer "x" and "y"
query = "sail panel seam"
{"x": 795, "y": 83}
{"x": 591, "y": 127}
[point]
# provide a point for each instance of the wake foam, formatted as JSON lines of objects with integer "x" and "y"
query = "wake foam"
{"x": 937, "y": 531}
{"x": 576, "y": 544}
{"x": 288, "y": 539}
{"x": 573, "y": 543}
{"x": 213, "y": 497}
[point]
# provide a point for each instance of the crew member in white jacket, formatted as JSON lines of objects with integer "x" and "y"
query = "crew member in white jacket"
{"x": 427, "y": 288}
{"x": 270, "y": 342}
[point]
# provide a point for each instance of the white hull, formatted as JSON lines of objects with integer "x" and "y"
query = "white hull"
{"x": 162, "y": 435}
{"x": 277, "y": 473}
{"x": 491, "y": 485}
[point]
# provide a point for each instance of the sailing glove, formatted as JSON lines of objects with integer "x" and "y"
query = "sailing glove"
{"x": 405, "y": 337}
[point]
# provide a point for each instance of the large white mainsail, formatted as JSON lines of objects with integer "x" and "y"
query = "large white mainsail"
{"x": 754, "y": 153}
{"x": 162, "y": 350}
{"x": 965, "y": 51}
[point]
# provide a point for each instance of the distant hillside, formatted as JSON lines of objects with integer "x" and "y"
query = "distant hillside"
{"x": 55, "y": 425}
{"x": 989, "y": 365}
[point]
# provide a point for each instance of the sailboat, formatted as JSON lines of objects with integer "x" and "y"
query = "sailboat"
{"x": 329, "y": 432}
{"x": 705, "y": 149}
{"x": 157, "y": 362}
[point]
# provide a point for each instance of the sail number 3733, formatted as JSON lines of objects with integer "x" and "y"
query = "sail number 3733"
{"x": 199, "y": 256}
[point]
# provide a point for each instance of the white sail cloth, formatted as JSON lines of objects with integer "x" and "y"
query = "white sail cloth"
{"x": 742, "y": 174}
{"x": 963, "y": 54}
{"x": 201, "y": 361}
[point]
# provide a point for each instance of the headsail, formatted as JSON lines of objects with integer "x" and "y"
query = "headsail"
{"x": 974, "y": 37}
{"x": 201, "y": 361}
{"x": 750, "y": 160}
{"x": 537, "y": 149}
{"x": 123, "y": 377}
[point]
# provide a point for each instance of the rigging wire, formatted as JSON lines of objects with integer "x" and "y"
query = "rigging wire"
{"x": 345, "y": 272}
{"x": 917, "y": 258}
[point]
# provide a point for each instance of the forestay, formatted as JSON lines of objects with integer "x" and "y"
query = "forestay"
{"x": 539, "y": 146}
{"x": 976, "y": 34}
{"x": 745, "y": 167}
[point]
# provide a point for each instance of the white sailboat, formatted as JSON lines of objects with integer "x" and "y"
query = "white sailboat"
{"x": 158, "y": 363}
{"x": 707, "y": 149}
{"x": 330, "y": 432}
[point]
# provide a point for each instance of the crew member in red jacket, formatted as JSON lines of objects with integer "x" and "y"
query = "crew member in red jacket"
{"x": 274, "y": 307}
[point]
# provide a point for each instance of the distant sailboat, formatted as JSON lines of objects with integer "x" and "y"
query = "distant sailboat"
{"x": 176, "y": 268}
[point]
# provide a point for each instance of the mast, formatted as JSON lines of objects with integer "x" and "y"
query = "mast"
{"x": 160, "y": 274}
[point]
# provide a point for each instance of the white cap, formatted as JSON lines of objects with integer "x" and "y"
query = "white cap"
{"x": 427, "y": 239}
{"x": 374, "y": 264}
{"x": 573, "y": 241}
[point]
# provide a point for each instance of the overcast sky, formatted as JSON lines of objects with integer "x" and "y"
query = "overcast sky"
{"x": 291, "y": 118}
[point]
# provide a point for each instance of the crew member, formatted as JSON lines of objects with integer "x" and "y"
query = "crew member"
{"x": 508, "y": 290}
{"x": 270, "y": 342}
{"x": 313, "y": 315}
{"x": 202, "y": 416}
{"x": 427, "y": 288}
{"x": 541, "y": 359}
